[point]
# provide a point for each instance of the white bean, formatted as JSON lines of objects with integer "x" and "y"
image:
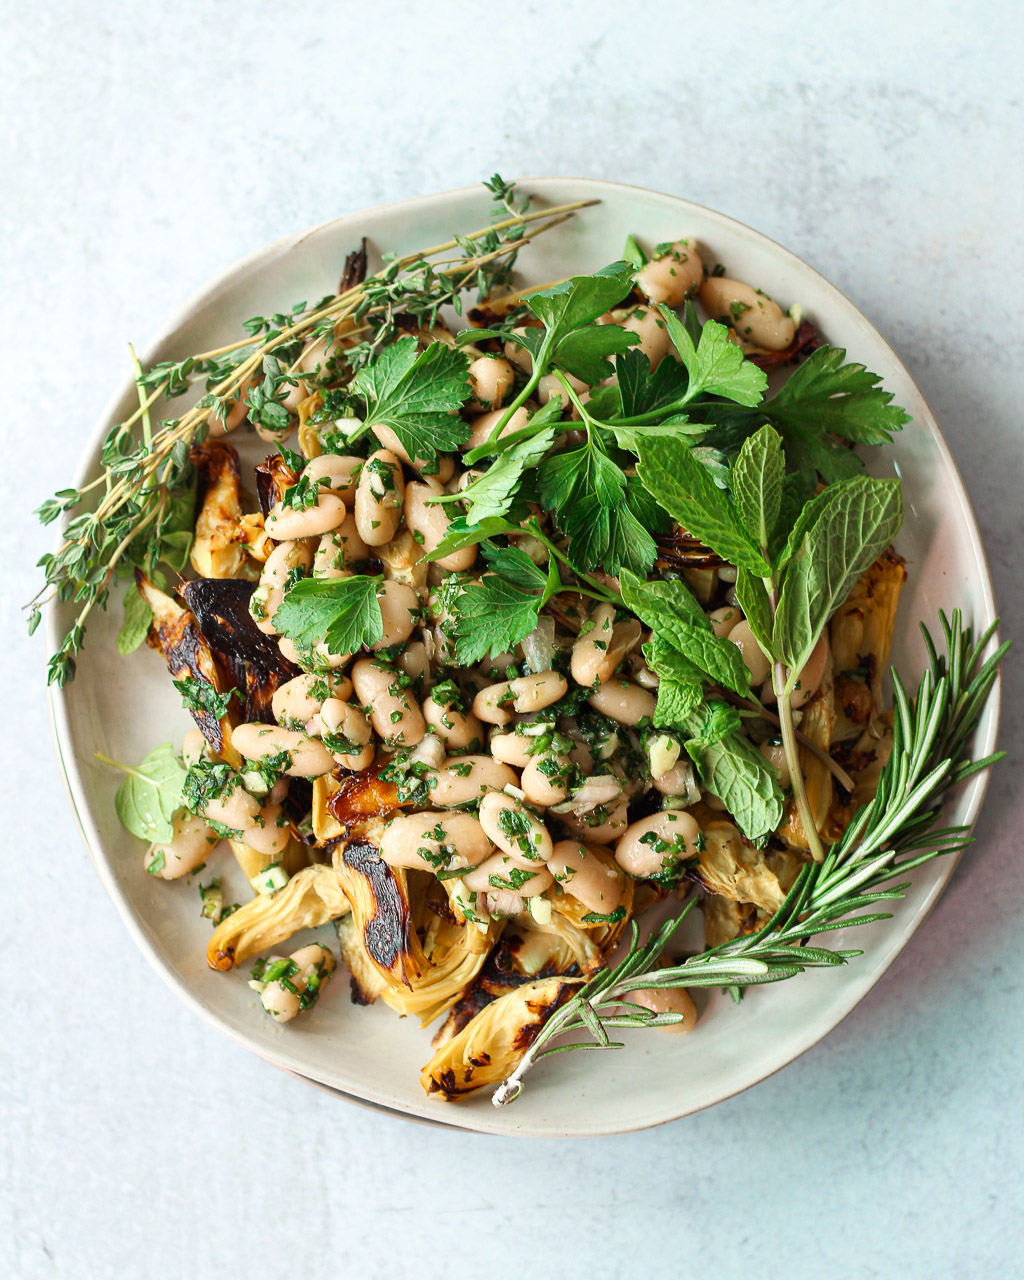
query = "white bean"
{"x": 380, "y": 494}
{"x": 491, "y": 378}
{"x": 750, "y": 312}
{"x": 445, "y": 468}
{"x": 655, "y": 844}
{"x": 393, "y": 713}
{"x": 234, "y": 808}
{"x": 309, "y": 758}
{"x": 297, "y": 700}
{"x": 517, "y": 354}
{"x": 283, "y": 523}
{"x": 414, "y": 661}
{"x": 341, "y": 470}
{"x": 515, "y": 830}
{"x": 652, "y": 329}
{"x": 674, "y": 276}
{"x": 667, "y": 1000}
{"x": 457, "y": 730}
{"x": 544, "y": 779}
{"x": 270, "y": 591}
{"x": 512, "y": 748}
{"x": 598, "y": 652}
{"x": 463, "y": 779}
{"x": 601, "y": 825}
{"x": 586, "y": 876}
{"x": 551, "y": 385}
{"x": 812, "y": 673}
{"x": 752, "y": 653}
{"x": 724, "y": 619}
{"x": 524, "y": 694}
{"x": 511, "y": 878}
{"x": 429, "y": 524}
{"x": 485, "y": 424}
{"x": 270, "y": 836}
{"x": 343, "y": 720}
{"x": 399, "y": 610}
{"x": 623, "y": 701}
{"x": 187, "y": 848}
{"x": 435, "y": 841}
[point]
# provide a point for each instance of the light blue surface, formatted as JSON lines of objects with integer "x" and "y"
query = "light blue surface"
{"x": 142, "y": 151}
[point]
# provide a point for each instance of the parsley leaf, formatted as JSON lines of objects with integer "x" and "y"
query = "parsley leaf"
{"x": 492, "y": 616}
{"x": 514, "y": 566}
{"x": 643, "y": 391}
{"x": 716, "y": 365}
{"x": 492, "y": 493}
{"x": 417, "y": 396}
{"x": 344, "y": 613}
{"x": 197, "y": 695}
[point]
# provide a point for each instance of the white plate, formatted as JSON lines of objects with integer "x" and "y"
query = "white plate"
{"x": 123, "y": 707}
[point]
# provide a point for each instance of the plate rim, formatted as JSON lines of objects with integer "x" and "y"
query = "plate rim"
{"x": 456, "y": 1117}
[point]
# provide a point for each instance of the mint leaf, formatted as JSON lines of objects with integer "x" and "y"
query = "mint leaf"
{"x": 719, "y": 720}
{"x": 849, "y": 531}
{"x": 756, "y": 480}
{"x": 344, "y": 613}
{"x": 661, "y": 604}
{"x": 684, "y": 488}
{"x": 680, "y": 685}
{"x": 716, "y": 365}
{"x": 735, "y": 771}
{"x": 492, "y": 616}
{"x": 150, "y": 795}
{"x": 753, "y": 600}
{"x": 417, "y": 396}
{"x": 137, "y": 617}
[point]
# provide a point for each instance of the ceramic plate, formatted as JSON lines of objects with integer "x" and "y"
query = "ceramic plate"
{"x": 125, "y": 706}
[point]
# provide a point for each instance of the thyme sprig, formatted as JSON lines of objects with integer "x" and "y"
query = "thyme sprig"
{"x": 144, "y": 513}
{"x": 889, "y": 837}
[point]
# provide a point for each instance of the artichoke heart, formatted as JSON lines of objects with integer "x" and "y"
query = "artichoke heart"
{"x": 217, "y": 551}
{"x": 312, "y": 897}
{"x": 490, "y": 1045}
{"x": 731, "y": 867}
{"x": 817, "y": 724}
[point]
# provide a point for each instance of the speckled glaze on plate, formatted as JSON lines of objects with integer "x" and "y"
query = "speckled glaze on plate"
{"x": 125, "y": 706}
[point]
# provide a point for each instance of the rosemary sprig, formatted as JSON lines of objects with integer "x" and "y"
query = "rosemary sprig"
{"x": 144, "y": 480}
{"x": 887, "y": 839}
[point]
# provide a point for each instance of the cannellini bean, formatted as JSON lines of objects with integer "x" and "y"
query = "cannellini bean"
{"x": 329, "y": 559}
{"x": 380, "y": 493}
{"x": 650, "y": 325}
{"x": 343, "y": 720}
{"x": 586, "y": 876}
{"x": 674, "y": 276}
{"x": 284, "y": 1003}
{"x": 517, "y": 354}
{"x": 271, "y": 836}
{"x": 667, "y": 1000}
{"x": 675, "y": 781}
{"x": 511, "y": 878}
{"x": 750, "y": 312}
{"x": 399, "y": 610}
{"x": 601, "y": 825}
{"x": 341, "y": 470}
{"x": 752, "y": 653}
{"x": 394, "y": 715}
{"x": 435, "y": 841}
{"x": 353, "y": 548}
{"x": 442, "y": 632}
{"x": 597, "y": 653}
{"x": 187, "y": 848}
{"x": 544, "y": 779}
{"x": 624, "y": 701}
{"x": 429, "y": 524}
{"x": 523, "y": 695}
{"x": 551, "y": 385}
{"x": 654, "y": 844}
{"x": 512, "y": 748}
{"x": 486, "y": 422}
{"x": 270, "y": 591}
{"x": 464, "y": 779}
{"x": 457, "y": 730}
{"x": 283, "y": 523}
{"x": 811, "y": 674}
{"x": 297, "y": 700}
{"x": 724, "y": 619}
{"x": 775, "y": 753}
{"x": 309, "y": 758}
{"x": 237, "y": 409}
{"x": 414, "y": 662}
{"x": 444, "y": 468}
{"x": 234, "y": 808}
{"x": 491, "y": 378}
{"x": 193, "y": 747}
{"x": 515, "y": 830}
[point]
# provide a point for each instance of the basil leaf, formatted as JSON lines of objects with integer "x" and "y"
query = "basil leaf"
{"x": 716, "y": 365}
{"x": 848, "y": 533}
{"x": 683, "y": 487}
{"x": 756, "y": 482}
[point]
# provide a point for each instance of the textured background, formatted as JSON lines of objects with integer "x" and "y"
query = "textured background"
{"x": 147, "y": 145}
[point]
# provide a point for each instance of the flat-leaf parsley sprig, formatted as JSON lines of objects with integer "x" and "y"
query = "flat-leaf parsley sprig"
{"x": 888, "y": 838}
{"x": 142, "y": 492}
